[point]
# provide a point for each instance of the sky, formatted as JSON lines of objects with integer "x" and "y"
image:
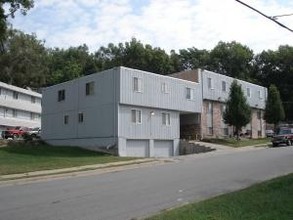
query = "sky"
{"x": 168, "y": 24}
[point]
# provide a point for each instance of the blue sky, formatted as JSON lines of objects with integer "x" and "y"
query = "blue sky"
{"x": 175, "y": 24}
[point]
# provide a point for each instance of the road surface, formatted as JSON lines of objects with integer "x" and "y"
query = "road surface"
{"x": 133, "y": 193}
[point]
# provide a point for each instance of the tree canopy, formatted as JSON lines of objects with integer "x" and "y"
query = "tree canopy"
{"x": 13, "y": 5}
{"x": 27, "y": 62}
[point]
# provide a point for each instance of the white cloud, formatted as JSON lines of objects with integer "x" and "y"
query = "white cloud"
{"x": 167, "y": 24}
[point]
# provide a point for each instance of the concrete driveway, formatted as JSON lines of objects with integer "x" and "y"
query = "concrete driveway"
{"x": 132, "y": 193}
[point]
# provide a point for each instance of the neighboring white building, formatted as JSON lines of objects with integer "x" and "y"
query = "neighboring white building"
{"x": 19, "y": 107}
{"x": 133, "y": 111}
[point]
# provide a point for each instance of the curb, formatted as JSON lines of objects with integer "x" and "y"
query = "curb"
{"x": 93, "y": 167}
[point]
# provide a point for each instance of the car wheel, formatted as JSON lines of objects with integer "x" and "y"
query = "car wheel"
{"x": 275, "y": 145}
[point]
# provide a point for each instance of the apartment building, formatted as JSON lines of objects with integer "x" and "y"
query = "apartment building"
{"x": 215, "y": 91}
{"x": 19, "y": 107}
{"x": 137, "y": 113}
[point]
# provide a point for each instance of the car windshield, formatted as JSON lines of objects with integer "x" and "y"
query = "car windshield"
{"x": 284, "y": 131}
{"x": 35, "y": 129}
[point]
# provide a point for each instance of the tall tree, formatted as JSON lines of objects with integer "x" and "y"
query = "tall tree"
{"x": 274, "y": 112}
{"x": 238, "y": 112}
{"x": 275, "y": 67}
{"x": 232, "y": 59}
{"x": 193, "y": 58}
{"x": 134, "y": 54}
{"x": 24, "y": 62}
{"x": 13, "y": 6}
{"x": 67, "y": 64}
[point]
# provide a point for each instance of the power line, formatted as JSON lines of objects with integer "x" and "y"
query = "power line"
{"x": 266, "y": 16}
{"x": 278, "y": 16}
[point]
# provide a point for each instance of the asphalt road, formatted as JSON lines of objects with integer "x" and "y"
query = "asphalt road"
{"x": 143, "y": 191}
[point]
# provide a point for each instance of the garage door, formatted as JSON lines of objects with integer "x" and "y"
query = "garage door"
{"x": 137, "y": 148}
{"x": 163, "y": 148}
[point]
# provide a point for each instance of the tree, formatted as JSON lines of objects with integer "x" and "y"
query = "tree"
{"x": 13, "y": 6}
{"x": 193, "y": 58}
{"x": 134, "y": 54}
{"x": 24, "y": 62}
{"x": 274, "y": 112}
{"x": 238, "y": 112}
{"x": 67, "y": 64}
{"x": 231, "y": 59}
{"x": 275, "y": 67}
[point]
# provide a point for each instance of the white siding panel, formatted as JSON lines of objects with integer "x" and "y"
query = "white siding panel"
{"x": 152, "y": 94}
{"x": 151, "y": 126}
{"x": 216, "y": 94}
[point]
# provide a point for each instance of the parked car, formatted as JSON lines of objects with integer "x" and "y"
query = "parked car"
{"x": 270, "y": 133}
{"x": 14, "y": 133}
{"x": 34, "y": 133}
{"x": 283, "y": 136}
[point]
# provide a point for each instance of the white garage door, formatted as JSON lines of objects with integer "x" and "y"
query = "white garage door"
{"x": 163, "y": 148}
{"x": 137, "y": 148}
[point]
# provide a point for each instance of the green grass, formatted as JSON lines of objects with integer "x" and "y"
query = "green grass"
{"x": 232, "y": 142}
{"x": 271, "y": 200}
{"x": 23, "y": 158}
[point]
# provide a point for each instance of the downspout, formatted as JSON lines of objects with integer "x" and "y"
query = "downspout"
{"x": 202, "y": 107}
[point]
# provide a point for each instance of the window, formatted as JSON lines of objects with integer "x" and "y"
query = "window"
{"x": 80, "y": 117}
{"x": 61, "y": 95}
{"x": 164, "y": 88}
{"x": 210, "y": 108}
{"x": 66, "y": 119}
{"x": 32, "y": 116}
{"x": 136, "y": 116}
{"x": 15, "y": 95}
{"x": 223, "y": 109}
{"x": 33, "y": 99}
{"x": 248, "y": 92}
{"x": 259, "y": 133}
{"x": 210, "y": 130}
{"x": 259, "y": 115}
{"x": 260, "y": 94}
{"x": 210, "y": 83}
{"x": 225, "y": 131}
{"x": 224, "y": 86}
{"x": 137, "y": 84}
{"x": 166, "y": 119}
{"x": 0, "y": 91}
{"x": 89, "y": 88}
{"x": 14, "y": 113}
{"x": 189, "y": 93}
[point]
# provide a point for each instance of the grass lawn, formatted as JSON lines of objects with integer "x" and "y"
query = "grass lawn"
{"x": 22, "y": 158}
{"x": 232, "y": 142}
{"x": 271, "y": 200}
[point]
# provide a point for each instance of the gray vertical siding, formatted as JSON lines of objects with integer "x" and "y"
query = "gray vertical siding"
{"x": 99, "y": 109}
{"x": 216, "y": 94}
{"x": 151, "y": 126}
{"x": 152, "y": 95}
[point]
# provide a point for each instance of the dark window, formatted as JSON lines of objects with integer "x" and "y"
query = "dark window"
{"x": 33, "y": 99}
{"x": 80, "y": 117}
{"x": 89, "y": 88}
{"x": 15, "y": 95}
{"x": 61, "y": 95}
{"x": 66, "y": 119}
